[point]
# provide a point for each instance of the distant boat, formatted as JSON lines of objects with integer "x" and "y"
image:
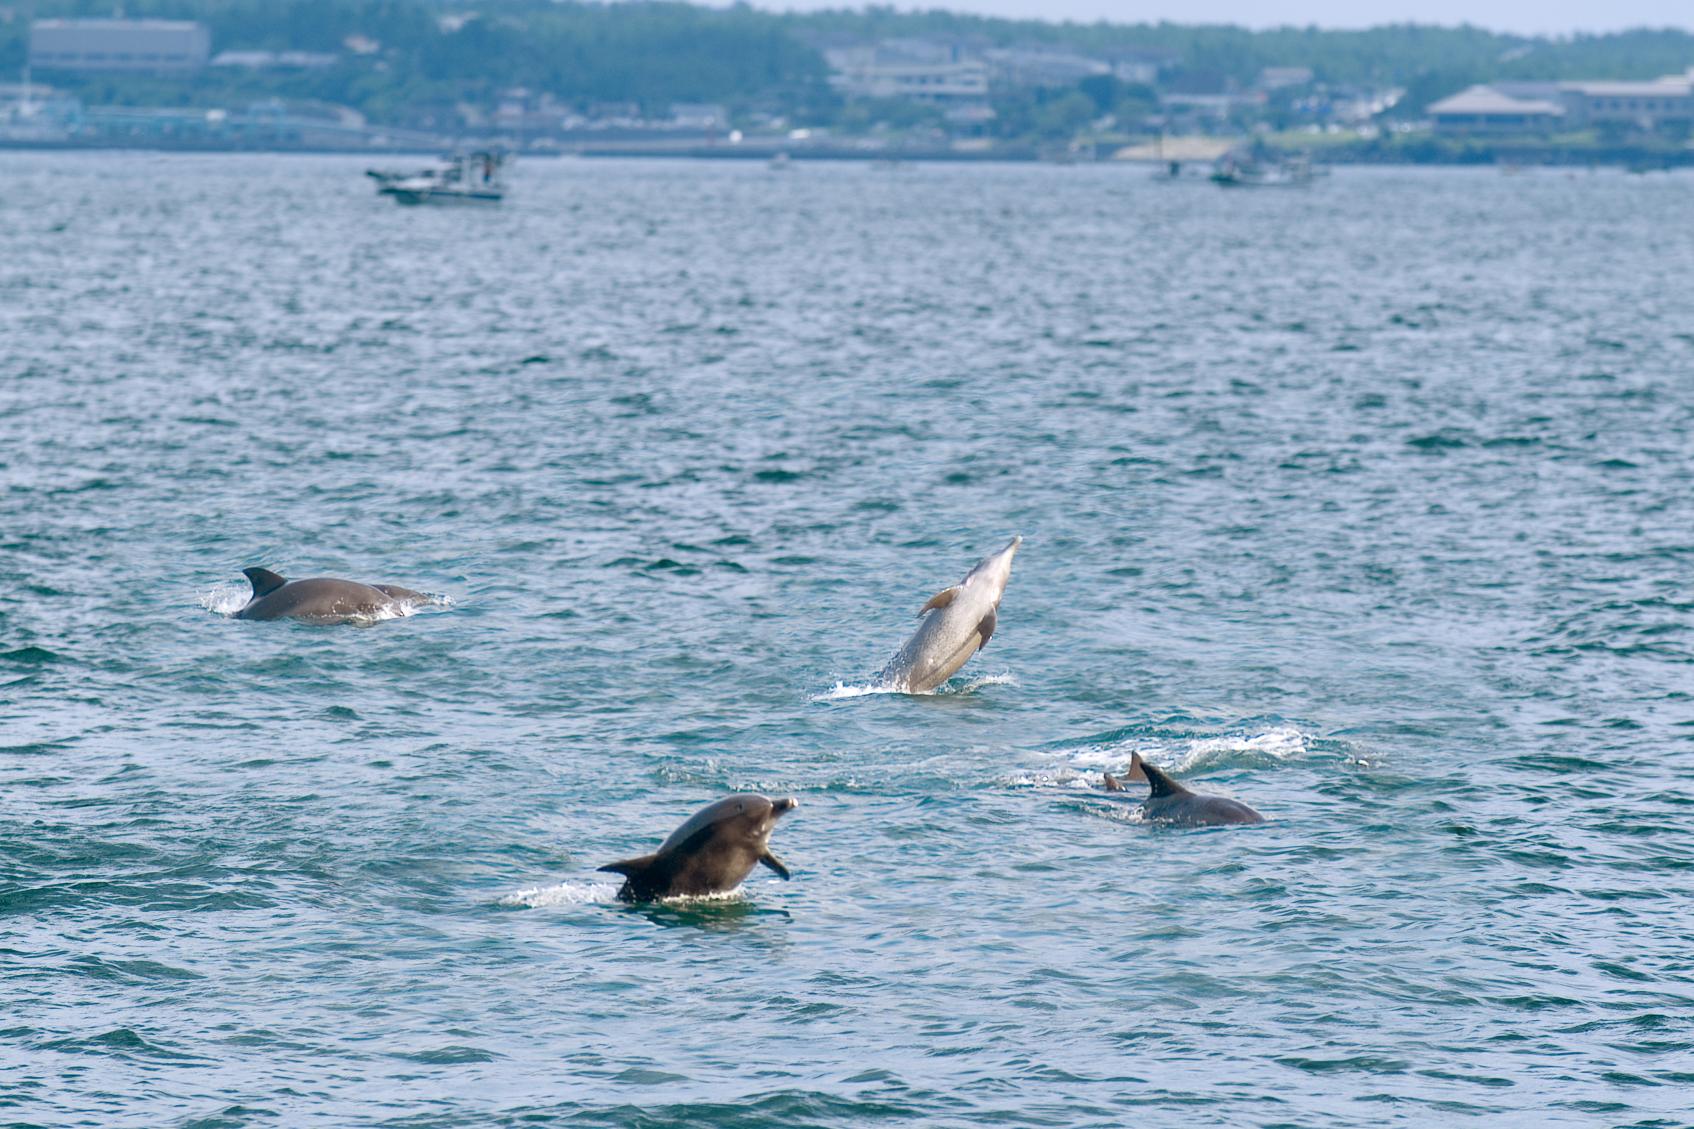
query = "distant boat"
{"x": 1236, "y": 171}
{"x": 1173, "y": 171}
{"x": 465, "y": 178}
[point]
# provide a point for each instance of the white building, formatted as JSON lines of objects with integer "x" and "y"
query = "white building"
{"x": 916, "y": 70}
{"x": 1645, "y": 105}
{"x": 699, "y": 115}
{"x": 118, "y": 45}
{"x": 1141, "y": 67}
{"x": 1539, "y": 107}
{"x": 1038, "y": 66}
{"x": 1277, "y": 78}
{"x": 1484, "y": 109}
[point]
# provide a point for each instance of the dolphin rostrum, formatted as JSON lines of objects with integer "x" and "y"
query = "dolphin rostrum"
{"x": 321, "y": 599}
{"x": 712, "y": 852}
{"x": 957, "y": 623}
{"x": 1170, "y": 802}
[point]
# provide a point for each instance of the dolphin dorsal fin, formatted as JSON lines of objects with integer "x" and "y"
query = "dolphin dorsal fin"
{"x": 940, "y": 600}
{"x": 264, "y": 581}
{"x": 1158, "y": 783}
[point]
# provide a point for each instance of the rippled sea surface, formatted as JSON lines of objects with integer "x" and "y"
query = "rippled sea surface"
{"x": 1370, "y": 505}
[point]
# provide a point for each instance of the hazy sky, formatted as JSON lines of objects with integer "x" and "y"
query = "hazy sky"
{"x": 1531, "y": 16}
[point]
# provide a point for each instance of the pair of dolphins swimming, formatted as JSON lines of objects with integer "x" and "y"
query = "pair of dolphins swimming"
{"x": 957, "y": 621}
{"x": 717, "y": 847}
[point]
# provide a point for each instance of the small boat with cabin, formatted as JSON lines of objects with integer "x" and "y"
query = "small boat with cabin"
{"x": 464, "y": 178}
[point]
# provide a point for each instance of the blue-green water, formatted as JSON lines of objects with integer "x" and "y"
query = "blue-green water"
{"x": 1369, "y": 505}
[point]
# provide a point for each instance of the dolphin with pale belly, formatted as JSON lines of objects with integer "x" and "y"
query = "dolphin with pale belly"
{"x": 957, "y": 623}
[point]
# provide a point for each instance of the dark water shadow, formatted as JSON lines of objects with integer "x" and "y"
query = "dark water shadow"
{"x": 714, "y": 916}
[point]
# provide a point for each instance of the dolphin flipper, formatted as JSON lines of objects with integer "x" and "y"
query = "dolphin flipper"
{"x": 774, "y": 863}
{"x": 985, "y": 629}
{"x": 940, "y": 600}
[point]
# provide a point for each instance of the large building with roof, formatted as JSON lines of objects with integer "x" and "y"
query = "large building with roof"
{"x": 916, "y": 69}
{"x": 119, "y": 45}
{"x": 1484, "y": 109}
{"x": 1667, "y": 101}
{"x": 1542, "y": 107}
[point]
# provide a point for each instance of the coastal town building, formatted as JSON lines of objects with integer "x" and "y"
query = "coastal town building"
{"x": 1540, "y": 107}
{"x": 1041, "y": 67}
{"x": 1142, "y": 67}
{"x": 1667, "y": 101}
{"x": 119, "y": 45}
{"x": 913, "y": 69}
{"x": 1485, "y": 109}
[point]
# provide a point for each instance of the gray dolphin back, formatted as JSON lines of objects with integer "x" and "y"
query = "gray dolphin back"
{"x": 1170, "y": 802}
{"x": 321, "y": 599}
{"x": 727, "y": 808}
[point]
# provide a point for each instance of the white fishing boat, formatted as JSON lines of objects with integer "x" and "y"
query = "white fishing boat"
{"x": 464, "y": 178}
{"x": 1245, "y": 171}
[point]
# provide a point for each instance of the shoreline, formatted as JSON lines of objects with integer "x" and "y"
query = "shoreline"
{"x": 1480, "y": 156}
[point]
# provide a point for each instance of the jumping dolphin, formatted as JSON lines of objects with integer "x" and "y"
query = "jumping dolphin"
{"x": 712, "y": 852}
{"x": 957, "y": 623}
{"x": 1170, "y": 802}
{"x": 320, "y": 599}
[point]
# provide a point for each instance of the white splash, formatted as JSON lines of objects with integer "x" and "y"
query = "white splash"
{"x": 593, "y": 893}
{"x": 976, "y": 684}
{"x": 1056, "y": 778}
{"x": 1279, "y": 743}
{"x": 226, "y": 598}
{"x": 564, "y": 894}
{"x": 1085, "y": 767}
{"x": 843, "y": 691}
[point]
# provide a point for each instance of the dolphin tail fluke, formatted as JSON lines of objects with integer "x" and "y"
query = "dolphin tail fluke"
{"x": 630, "y": 868}
{"x": 774, "y": 863}
{"x": 940, "y": 600}
{"x": 264, "y": 581}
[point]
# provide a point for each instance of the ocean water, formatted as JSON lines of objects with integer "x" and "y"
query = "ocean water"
{"x": 1370, "y": 505}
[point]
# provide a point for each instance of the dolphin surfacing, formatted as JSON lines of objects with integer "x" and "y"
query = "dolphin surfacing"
{"x": 1170, "y": 802}
{"x": 957, "y": 623}
{"x": 714, "y": 850}
{"x": 321, "y": 599}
